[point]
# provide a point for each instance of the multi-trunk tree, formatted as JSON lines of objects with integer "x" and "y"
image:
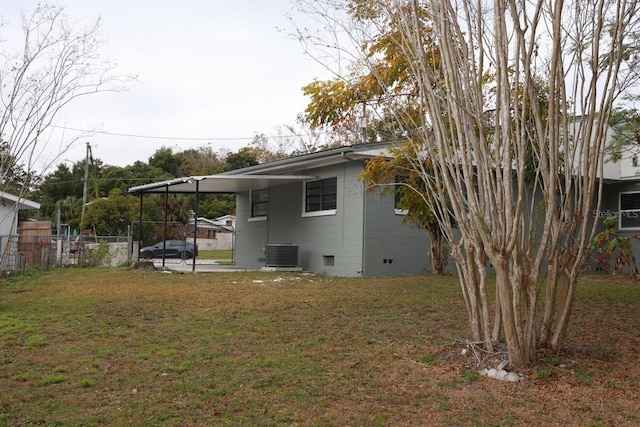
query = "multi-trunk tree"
{"x": 513, "y": 181}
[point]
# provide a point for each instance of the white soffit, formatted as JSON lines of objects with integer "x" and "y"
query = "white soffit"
{"x": 219, "y": 183}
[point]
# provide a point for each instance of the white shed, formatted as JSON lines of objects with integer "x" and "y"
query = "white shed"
{"x": 9, "y": 206}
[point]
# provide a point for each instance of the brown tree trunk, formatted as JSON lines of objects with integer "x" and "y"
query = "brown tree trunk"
{"x": 438, "y": 254}
{"x": 520, "y": 354}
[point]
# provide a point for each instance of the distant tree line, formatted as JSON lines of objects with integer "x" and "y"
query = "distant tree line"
{"x": 110, "y": 209}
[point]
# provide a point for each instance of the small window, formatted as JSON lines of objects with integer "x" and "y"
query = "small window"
{"x": 259, "y": 203}
{"x": 329, "y": 260}
{"x": 321, "y": 196}
{"x": 629, "y": 211}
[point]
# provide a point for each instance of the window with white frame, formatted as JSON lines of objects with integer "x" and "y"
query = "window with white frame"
{"x": 320, "y": 197}
{"x": 259, "y": 203}
{"x": 629, "y": 211}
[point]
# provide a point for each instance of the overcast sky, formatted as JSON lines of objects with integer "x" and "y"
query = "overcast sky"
{"x": 216, "y": 70}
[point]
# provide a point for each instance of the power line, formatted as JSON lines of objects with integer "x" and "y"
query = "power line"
{"x": 111, "y": 179}
{"x": 131, "y": 135}
{"x": 176, "y": 138}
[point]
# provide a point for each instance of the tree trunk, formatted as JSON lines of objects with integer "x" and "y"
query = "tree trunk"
{"x": 563, "y": 312}
{"x": 520, "y": 354}
{"x": 438, "y": 254}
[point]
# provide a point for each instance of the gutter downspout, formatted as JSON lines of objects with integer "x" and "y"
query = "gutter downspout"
{"x": 166, "y": 210}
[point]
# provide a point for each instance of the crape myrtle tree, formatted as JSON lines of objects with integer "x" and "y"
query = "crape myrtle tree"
{"x": 518, "y": 178}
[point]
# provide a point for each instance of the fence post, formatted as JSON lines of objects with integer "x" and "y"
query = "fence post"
{"x": 21, "y": 260}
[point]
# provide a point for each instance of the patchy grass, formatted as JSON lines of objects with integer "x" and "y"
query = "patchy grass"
{"x": 119, "y": 347}
{"x": 224, "y": 255}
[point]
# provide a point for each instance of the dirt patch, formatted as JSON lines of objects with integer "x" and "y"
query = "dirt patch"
{"x": 144, "y": 265}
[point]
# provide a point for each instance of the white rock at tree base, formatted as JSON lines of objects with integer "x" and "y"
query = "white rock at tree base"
{"x": 512, "y": 377}
{"x": 501, "y": 374}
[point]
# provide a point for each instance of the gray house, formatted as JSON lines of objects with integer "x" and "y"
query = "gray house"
{"x": 313, "y": 212}
{"x": 338, "y": 228}
{"x": 343, "y": 230}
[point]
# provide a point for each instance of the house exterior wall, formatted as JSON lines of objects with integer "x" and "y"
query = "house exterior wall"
{"x": 332, "y": 239}
{"x": 8, "y": 225}
{"x": 8, "y": 219}
{"x": 392, "y": 248}
{"x": 318, "y": 237}
{"x": 624, "y": 169}
{"x": 365, "y": 237}
{"x": 610, "y": 206}
{"x": 251, "y": 235}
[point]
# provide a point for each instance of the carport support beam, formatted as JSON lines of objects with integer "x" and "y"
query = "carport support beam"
{"x": 195, "y": 227}
{"x": 140, "y": 227}
{"x": 166, "y": 209}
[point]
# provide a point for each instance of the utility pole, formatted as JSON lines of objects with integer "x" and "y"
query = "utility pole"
{"x": 85, "y": 188}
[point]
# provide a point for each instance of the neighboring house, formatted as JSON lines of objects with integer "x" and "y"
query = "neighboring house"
{"x": 226, "y": 220}
{"x": 9, "y": 207}
{"x": 211, "y": 234}
{"x": 621, "y": 196}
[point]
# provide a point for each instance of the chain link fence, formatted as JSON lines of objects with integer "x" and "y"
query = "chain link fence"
{"x": 21, "y": 252}
{"x": 36, "y": 249}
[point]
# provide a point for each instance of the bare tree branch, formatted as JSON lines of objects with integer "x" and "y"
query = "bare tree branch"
{"x": 59, "y": 62}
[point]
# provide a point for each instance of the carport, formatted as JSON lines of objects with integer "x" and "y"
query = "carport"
{"x": 208, "y": 184}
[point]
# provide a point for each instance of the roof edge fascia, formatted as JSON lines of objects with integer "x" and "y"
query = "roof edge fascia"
{"x": 305, "y": 159}
{"x": 322, "y": 158}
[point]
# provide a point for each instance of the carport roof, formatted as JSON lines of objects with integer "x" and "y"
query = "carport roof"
{"x": 218, "y": 183}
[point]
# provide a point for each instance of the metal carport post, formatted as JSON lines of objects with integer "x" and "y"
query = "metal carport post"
{"x": 195, "y": 227}
{"x": 140, "y": 227}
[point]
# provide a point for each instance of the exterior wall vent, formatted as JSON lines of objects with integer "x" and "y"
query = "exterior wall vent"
{"x": 281, "y": 255}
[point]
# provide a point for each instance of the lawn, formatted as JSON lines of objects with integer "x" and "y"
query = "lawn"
{"x": 90, "y": 347}
{"x": 224, "y": 255}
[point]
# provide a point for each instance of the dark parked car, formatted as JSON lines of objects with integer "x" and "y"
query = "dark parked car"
{"x": 173, "y": 249}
